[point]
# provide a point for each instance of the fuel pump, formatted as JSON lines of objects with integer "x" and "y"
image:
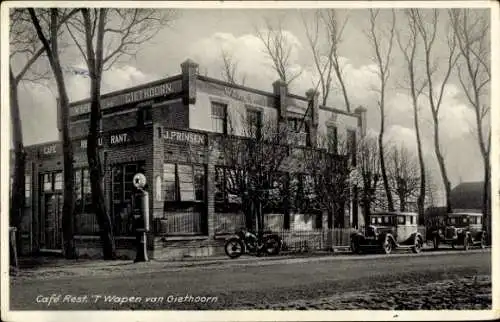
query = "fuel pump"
{"x": 141, "y": 217}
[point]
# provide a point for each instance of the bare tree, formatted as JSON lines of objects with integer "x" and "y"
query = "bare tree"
{"x": 327, "y": 166}
{"x": 404, "y": 175}
{"x": 52, "y": 19}
{"x": 369, "y": 172}
{"x": 382, "y": 58}
{"x": 471, "y": 31}
{"x": 230, "y": 69}
{"x": 428, "y": 29}
{"x": 253, "y": 161}
{"x": 279, "y": 48}
{"x": 103, "y": 36}
{"x": 410, "y": 50}
{"x": 326, "y": 60}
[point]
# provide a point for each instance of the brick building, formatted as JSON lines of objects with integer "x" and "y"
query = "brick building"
{"x": 166, "y": 129}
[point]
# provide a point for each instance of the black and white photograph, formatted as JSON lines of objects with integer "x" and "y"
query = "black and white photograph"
{"x": 242, "y": 161}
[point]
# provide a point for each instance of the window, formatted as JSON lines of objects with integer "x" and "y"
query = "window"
{"x": 351, "y": 145}
{"x": 169, "y": 181}
{"x": 27, "y": 190}
{"x": 226, "y": 195}
{"x": 401, "y": 220}
{"x": 332, "y": 139}
{"x": 479, "y": 220}
{"x": 412, "y": 220}
{"x": 464, "y": 220}
{"x": 47, "y": 182}
{"x": 374, "y": 220}
{"x": 298, "y": 132}
{"x": 452, "y": 221}
{"x": 58, "y": 181}
{"x": 219, "y": 118}
{"x": 387, "y": 220}
{"x": 379, "y": 220}
{"x": 254, "y": 119}
{"x": 184, "y": 182}
{"x": 144, "y": 115}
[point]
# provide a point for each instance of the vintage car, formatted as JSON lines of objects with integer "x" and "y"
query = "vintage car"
{"x": 459, "y": 229}
{"x": 387, "y": 231}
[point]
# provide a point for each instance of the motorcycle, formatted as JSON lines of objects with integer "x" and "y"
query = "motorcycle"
{"x": 246, "y": 241}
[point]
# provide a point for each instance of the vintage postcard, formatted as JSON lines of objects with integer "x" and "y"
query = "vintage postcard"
{"x": 241, "y": 161}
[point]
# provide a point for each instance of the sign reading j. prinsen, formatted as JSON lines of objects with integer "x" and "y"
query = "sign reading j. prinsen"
{"x": 183, "y": 136}
{"x": 131, "y": 97}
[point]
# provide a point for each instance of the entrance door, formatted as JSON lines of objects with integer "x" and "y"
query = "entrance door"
{"x": 122, "y": 188}
{"x": 53, "y": 221}
{"x": 50, "y": 217}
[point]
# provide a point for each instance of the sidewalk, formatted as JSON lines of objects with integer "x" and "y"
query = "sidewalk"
{"x": 60, "y": 267}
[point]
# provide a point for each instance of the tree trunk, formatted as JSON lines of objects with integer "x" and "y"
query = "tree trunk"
{"x": 442, "y": 165}
{"x": 68, "y": 223}
{"x": 96, "y": 175}
{"x": 421, "y": 162}
{"x": 390, "y": 203}
{"x": 486, "y": 198}
{"x": 18, "y": 196}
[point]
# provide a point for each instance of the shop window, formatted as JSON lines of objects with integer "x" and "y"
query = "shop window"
{"x": 83, "y": 195}
{"x": 219, "y": 118}
{"x": 184, "y": 182}
{"x": 169, "y": 181}
{"x": 122, "y": 192}
{"x": 254, "y": 120}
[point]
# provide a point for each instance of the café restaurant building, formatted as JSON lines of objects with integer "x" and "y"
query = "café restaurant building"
{"x": 165, "y": 130}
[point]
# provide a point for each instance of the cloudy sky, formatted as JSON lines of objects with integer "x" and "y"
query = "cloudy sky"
{"x": 200, "y": 34}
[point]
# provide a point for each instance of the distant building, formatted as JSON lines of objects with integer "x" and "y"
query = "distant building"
{"x": 467, "y": 197}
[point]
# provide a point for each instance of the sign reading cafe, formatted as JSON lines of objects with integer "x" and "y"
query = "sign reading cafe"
{"x": 130, "y": 97}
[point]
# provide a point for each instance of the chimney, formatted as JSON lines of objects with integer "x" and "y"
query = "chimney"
{"x": 280, "y": 90}
{"x": 313, "y": 105}
{"x": 189, "y": 73}
{"x": 360, "y": 111}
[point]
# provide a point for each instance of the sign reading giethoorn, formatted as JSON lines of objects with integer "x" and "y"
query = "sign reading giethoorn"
{"x": 184, "y": 136}
{"x": 131, "y": 97}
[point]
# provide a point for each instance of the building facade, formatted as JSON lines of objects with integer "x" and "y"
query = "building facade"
{"x": 168, "y": 131}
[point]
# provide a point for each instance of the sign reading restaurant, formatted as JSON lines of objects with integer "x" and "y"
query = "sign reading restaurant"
{"x": 131, "y": 97}
{"x": 184, "y": 136}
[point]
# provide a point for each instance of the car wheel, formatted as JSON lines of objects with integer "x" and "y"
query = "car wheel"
{"x": 387, "y": 246}
{"x": 355, "y": 249}
{"x": 483, "y": 241}
{"x": 467, "y": 243}
{"x": 418, "y": 245}
{"x": 435, "y": 242}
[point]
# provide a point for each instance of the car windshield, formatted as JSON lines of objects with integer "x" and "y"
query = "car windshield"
{"x": 382, "y": 220}
{"x": 458, "y": 221}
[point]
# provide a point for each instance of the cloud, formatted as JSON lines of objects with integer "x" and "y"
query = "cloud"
{"x": 40, "y": 100}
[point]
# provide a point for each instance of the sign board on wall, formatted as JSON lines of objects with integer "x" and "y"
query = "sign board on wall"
{"x": 245, "y": 96}
{"x": 125, "y": 137}
{"x": 184, "y": 136}
{"x": 131, "y": 97}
